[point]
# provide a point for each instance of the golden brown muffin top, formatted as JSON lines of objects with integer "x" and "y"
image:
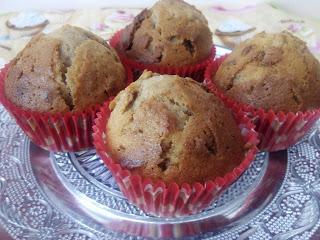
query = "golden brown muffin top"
{"x": 272, "y": 71}
{"x": 171, "y": 33}
{"x": 167, "y": 127}
{"x": 67, "y": 70}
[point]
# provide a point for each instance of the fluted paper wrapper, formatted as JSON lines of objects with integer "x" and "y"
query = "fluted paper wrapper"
{"x": 170, "y": 200}
{"x": 194, "y": 71}
{"x": 69, "y": 132}
{"x": 277, "y": 130}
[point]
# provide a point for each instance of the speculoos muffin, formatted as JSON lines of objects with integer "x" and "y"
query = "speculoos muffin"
{"x": 69, "y": 69}
{"x": 171, "y": 33}
{"x": 272, "y": 71}
{"x": 169, "y": 128}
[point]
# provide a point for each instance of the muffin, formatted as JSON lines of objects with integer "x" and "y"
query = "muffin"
{"x": 56, "y": 84}
{"x": 160, "y": 128}
{"x": 77, "y": 70}
{"x": 272, "y": 71}
{"x": 171, "y": 146}
{"x": 170, "y": 35}
{"x": 275, "y": 80}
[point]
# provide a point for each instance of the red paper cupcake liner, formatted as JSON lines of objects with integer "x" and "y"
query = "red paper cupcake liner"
{"x": 277, "y": 130}
{"x": 170, "y": 200}
{"x": 68, "y": 132}
{"x": 194, "y": 71}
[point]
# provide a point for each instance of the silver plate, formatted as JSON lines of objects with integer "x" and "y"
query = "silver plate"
{"x": 73, "y": 196}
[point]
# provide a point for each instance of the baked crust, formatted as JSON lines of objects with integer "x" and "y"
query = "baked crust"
{"x": 171, "y": 33}
{"x": 167, "y": 127}
{"x": 70, "y": 69}
{"x": 272, "y": 71}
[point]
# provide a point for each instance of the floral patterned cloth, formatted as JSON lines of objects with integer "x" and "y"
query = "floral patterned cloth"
{"x": 106, "y": 21}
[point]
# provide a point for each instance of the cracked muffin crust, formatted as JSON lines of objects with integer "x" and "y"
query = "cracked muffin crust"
{"x": 171, "y": 33}
{"x": 67, "y": 70}
{"x": 272, "y": 71}
{"x": 168, "y": 127}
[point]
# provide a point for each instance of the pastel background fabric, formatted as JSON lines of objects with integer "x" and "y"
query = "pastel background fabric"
{"x": 105, "y": 21}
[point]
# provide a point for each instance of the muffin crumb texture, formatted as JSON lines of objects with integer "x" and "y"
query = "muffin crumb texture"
{"x": 272, "y": 71}
{"x": 169, "y": 128}
{"x": 69, "y": 69}
{"x": 171, "y": 33}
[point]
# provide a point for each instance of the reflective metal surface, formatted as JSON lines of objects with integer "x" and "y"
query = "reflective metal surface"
{"x": 73, "y": 196}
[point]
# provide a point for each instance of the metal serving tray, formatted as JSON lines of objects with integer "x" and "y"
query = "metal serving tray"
{"x": 66, "y": 196}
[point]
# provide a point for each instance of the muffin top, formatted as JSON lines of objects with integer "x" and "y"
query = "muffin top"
{"x": 272, "y": 71}
{"x": 171, "y": 33}
{"x": 169, "y": 128}
{"x": 67, "y": 70}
